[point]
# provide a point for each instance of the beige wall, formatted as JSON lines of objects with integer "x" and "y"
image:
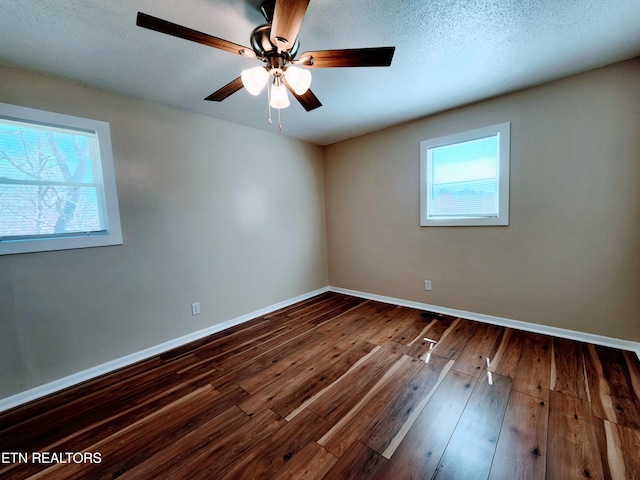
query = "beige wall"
{"x": 206, "y": 216}
{"x": 570, "y": 257}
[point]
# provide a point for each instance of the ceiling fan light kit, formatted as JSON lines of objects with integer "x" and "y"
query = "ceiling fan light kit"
{"x": 298, "y": 79}
{"x": 254, "y": 79}
{"x": 278, "y": 98}
{"x": 276, "y": 44}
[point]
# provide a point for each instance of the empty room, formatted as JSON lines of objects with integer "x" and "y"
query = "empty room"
{"x": 311, "y": 239}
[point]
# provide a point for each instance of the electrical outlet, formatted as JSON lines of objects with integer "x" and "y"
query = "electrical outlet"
{"x": 427, "y": 285}
{"x": 195, "y": 308}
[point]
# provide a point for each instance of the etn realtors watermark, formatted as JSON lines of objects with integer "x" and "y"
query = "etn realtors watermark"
{"x": 50, "y": 457}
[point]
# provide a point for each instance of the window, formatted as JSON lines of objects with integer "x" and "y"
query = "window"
{"x": 57, "y": 182}
{"x": 464, "y": 178}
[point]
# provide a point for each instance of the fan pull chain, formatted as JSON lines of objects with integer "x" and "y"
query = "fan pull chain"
{"x": 270, "y": 120}
{"x": 269, "y": 103}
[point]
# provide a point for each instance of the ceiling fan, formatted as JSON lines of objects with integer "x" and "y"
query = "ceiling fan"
{"x": 276, "y": 45}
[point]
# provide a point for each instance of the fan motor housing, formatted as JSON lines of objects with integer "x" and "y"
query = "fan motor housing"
{"x": 262, "y": 46}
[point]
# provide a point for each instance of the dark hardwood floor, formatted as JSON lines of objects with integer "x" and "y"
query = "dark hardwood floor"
{"x": 338, "y": 387}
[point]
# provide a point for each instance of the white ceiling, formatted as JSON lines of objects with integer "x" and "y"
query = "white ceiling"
{"x": 448, "y": 53}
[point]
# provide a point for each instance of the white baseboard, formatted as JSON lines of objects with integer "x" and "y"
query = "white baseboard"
{"x": 76, "y": 378}
{"x": 505, "y": 322}
{"x": 93, "y": 372}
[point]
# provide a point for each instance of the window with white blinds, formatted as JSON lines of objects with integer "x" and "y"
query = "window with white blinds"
{"x": 464, "y": 178}
{"x": 57, "y": 183}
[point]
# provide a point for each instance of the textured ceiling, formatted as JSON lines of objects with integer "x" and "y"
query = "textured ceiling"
{"x": 448, "y": 53}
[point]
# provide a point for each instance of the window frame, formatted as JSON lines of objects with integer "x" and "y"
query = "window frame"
{"x": 113, "y": 230}
{"x": 503, "y": 131}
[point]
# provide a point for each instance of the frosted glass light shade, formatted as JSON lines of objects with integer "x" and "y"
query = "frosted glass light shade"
{"x": 279, "y": 97}
{"x": 299, "y": 79}
{"x": 254, "y": 79}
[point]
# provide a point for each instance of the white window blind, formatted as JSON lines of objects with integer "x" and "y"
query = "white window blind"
{"x": 465, "y": 179}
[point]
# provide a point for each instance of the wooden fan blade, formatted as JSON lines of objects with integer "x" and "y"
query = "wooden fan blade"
{"x": 287, "y": 18}
{"x": 229, "y": 89}
{"x": 353, "y": 57}
{"x": 163, "y": 26}
{"x": 308, "y": 100}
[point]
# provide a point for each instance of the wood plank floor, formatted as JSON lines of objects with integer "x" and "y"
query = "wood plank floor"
{"x": 338, "y": 387}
